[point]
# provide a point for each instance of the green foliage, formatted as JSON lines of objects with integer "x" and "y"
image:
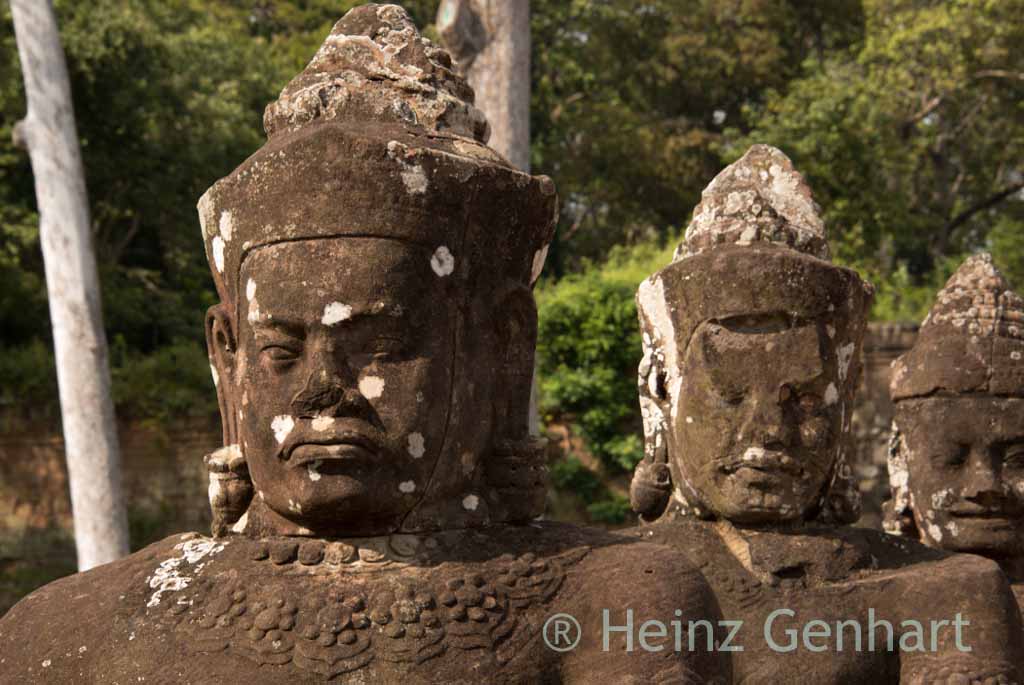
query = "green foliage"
{"x": 1006, "y": 241}
{"x": 570, "y": 475}
{"x": 28, "y": 372}
{"x": 588, "y": 349}
{"x": 173, "y": 381}
{"x": 911, "y": 139}
{"x": 630, "y": 100}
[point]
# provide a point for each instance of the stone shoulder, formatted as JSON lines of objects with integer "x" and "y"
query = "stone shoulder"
{"x": 70, "y": 630}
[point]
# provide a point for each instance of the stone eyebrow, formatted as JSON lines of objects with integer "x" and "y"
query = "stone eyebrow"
{"x": 290, "y": 328}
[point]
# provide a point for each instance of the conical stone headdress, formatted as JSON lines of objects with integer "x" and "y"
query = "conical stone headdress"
{"x": 971, "y": 341}
{"x": 756, "y": 245}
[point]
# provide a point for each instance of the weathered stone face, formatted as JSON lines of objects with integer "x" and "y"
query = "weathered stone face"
{"x": 754, "y": 426}
{"x": 956, "y": 464}
{"x": 751, "y": 358}
{"x": 965, "y": 461}
{"x": 337, "y": 365}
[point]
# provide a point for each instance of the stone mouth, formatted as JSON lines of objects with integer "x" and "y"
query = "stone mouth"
{"x": 762, "y": 461}
{"x": 350, "y": 447}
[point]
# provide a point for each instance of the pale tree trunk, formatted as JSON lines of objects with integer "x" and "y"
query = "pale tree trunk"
{"x": 490, "y": 41}
{"x": 80, "y": 346}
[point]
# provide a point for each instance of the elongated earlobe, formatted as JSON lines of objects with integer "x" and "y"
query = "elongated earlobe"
{"x": 221, "y": 348}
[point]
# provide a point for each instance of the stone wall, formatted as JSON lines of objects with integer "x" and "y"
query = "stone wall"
{"x": 163, "y": 471}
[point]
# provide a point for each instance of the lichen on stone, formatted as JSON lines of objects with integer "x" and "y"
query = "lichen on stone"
{"x": 375, "y": 66}
{"x": 759, "y": 198}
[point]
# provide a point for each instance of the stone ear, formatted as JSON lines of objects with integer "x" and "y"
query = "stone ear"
{"x": 515, "y": 337}
{"x": 221, "y": 348}
{"x": 650, "y": 489}
{"x": 897, "y": 512}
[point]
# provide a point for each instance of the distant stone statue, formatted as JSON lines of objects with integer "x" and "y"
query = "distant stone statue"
{"x": 375, "y": 501}
{"x": 956, "y": 459}
{"x": 751, "y": 360}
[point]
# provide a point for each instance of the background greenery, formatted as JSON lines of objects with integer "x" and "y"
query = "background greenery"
{"x": 906, "y": 116}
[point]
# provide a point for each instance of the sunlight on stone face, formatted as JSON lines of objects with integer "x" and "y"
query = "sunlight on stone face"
{"x": 965, "y": 460}
{"x": 755, "y": 423}
{"x": 349, "y": 332}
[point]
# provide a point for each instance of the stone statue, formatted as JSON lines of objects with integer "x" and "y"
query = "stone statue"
{"x": 375, "y": 503}
{"x": 956, "y": 459}
{"x": 751, "y": 360}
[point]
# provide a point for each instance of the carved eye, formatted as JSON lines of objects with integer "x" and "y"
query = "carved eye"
{"x": 954, "y": 456}
{"x": 280, "y": 355}
{"x": 1013, "y": 457}
{"x": 732, "y": 398}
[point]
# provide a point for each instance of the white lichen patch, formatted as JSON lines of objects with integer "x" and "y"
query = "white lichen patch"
{"x": 943, "y": 498}
{"x": 442, "y": 262}
{"x": 313, "y": 468}
{"x": 294, "y": 507}
{"x": 407, "y": 487}
{"x": 831, "y": 395}
{"x": 335, "y": 313}
{"x": 227, "y": 225}
{"x": 172, "y": 576}
{"x": 934, "y": 532}
{"x": 539, "y": 257}
{"x": 689, "y": 419}
{"x": 214, "y": 491}
{"x": 250, "y": 289}
{"x": 282, "y": 425}
{"x": 240, "y": 524}
{"x": 470, "y": 502}
{"x": 845, "y": 357}
{"x": 254, "y": 310}
{"x": 217, "y": 246}
{"x": 416, "y": 446}
{"x": 371, "y": 387}
{"x": 215, "y": 375}
{"x": 322, "y": 423}
{"x": 415, "y": 179}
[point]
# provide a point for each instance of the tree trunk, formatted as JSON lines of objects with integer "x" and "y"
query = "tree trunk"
{"x": 490, "y": 41}
{"x": 80, "y": 346}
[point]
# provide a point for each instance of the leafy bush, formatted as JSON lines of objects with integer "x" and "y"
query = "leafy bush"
{"x": 588, "y": 349}
{"x": 570, "y": 475}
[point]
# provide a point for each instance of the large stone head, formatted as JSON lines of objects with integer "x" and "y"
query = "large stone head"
{"x": 956, "y": 462}
{"x": 374, "y": 342}
{"x": 751, "y": 358}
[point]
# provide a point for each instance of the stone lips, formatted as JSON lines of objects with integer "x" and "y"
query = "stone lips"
{"x": 971, "y": 341}
{"x": 380, "y": 181}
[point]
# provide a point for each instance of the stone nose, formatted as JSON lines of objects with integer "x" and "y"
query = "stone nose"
{"x": 330, "y": 389}
{"x": 983, "y": 484}
{"x": 765, "y": 423}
